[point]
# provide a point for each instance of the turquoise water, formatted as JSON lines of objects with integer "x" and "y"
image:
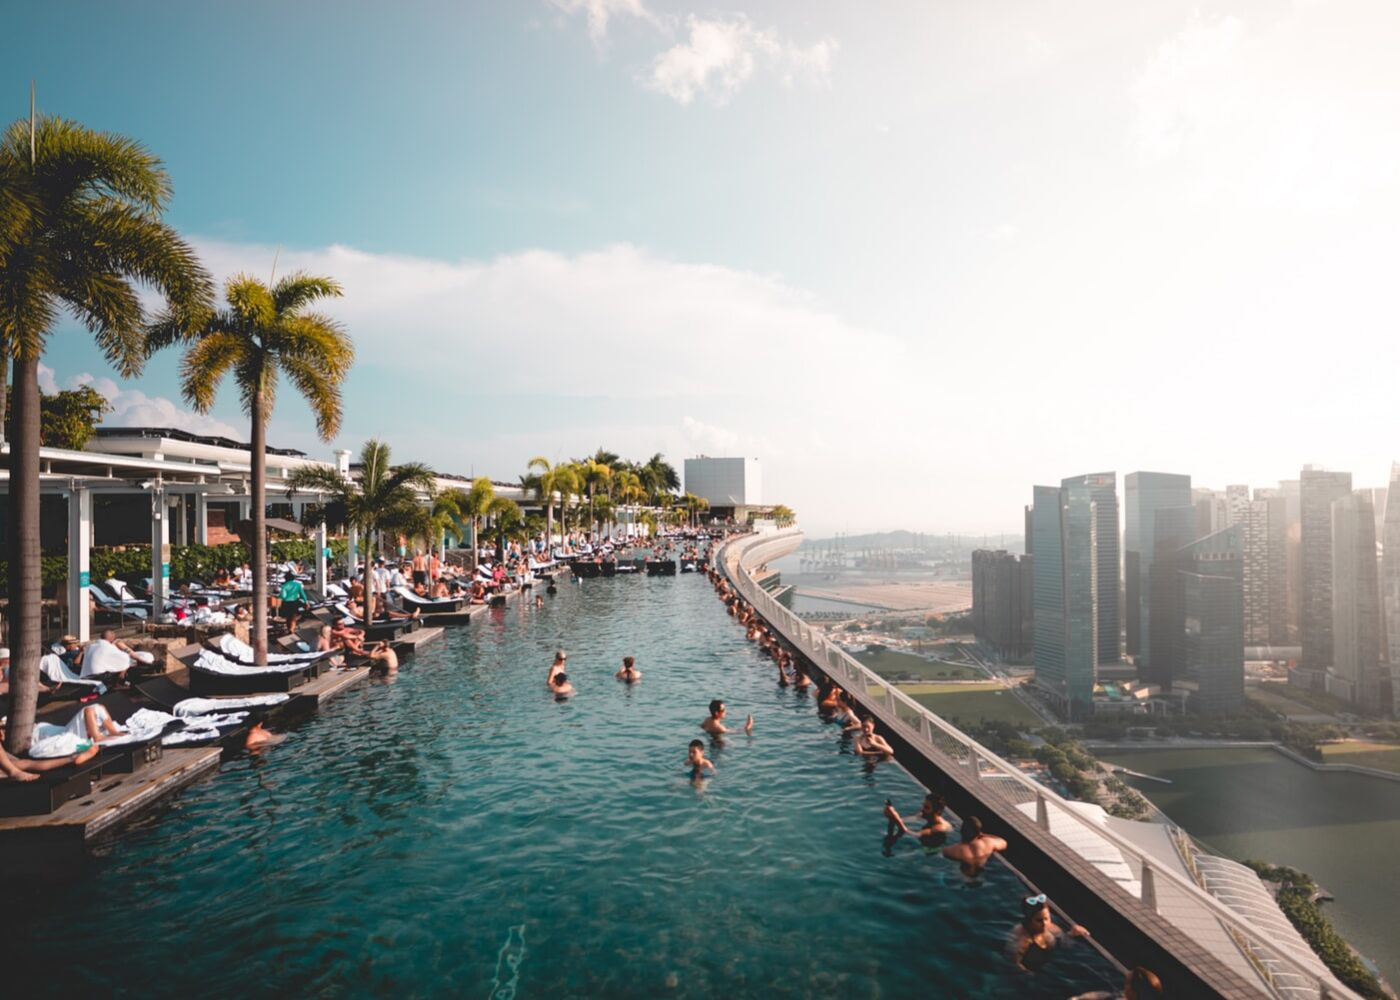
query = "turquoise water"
{"x": 458, "y": 833}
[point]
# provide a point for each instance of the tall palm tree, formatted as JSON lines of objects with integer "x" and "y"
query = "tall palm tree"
{"x": 448, "y": 513}
{"x": 551, "y": 479}
{"x": 628, "y": 487}
{"x": 384, "y": 498}
{"x": 80, "y": 228}
{"x": 262, "y": 334}
{"x": 477, "y": 506}
{"x": 596, "y": 477}
{"x": 659, "y": 477}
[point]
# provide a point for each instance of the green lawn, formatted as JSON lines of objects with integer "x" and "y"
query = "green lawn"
{"x": 970, "y": 703}
{"x": 889, "y": 663}
{"x": 1275, "y": 696}
{"x": 1382, "y": 756}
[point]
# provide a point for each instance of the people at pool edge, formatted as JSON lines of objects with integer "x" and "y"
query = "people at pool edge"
{"x": 935, "y": 828}
{"x": 557, "y": 680}
{"x": 869, "y": 743}
{"x": 975, "y": 848}
{"x": 24, "y": 769}
{"x": 696, "y": 760}
{"x": 714, "y": 722}
{"x": 629, "y": 671}
{"x": 1138, "y": 984}
{"x": 1036, "y": 937}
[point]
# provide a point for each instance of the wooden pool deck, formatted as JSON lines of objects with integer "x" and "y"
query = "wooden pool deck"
{"x": 333, "y": 683}
{"x": 32, "y": 845}
{"x": 410, "y": 641}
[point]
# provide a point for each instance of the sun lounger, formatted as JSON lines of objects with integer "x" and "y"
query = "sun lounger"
{"x": 427, "y": 605}
{"x": 238, "y": 651}
{"x": 213, "y": 674}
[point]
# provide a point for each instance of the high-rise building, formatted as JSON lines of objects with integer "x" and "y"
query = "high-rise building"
{"x": 1252, "y": 517}
{"x": 1097, "y": 495}
{"x": 1002, "y": 594}
{"x": 1318, "y": 491}
{"x": 1356, "y": 612}
{"x": 1065, "y": 645}
{"x": 1212, "y": 604}
{"x": 1390, "y": 568}
{"x": 1212, "y": 511}
{"x": 1174, "y": 528}
{"x": 1145, "y": 493}
{"x": 1276, "y": 511}
{"x": 1293, "y": 558}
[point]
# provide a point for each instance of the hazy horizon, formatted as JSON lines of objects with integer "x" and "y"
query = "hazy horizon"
{"x": 914, "y": 257}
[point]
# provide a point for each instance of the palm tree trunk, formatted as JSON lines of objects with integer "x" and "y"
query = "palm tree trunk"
{"x": 4, "y": 402}
{"x": 24, "y": 576}
{"x": 259, "y": 505}
{"x": 368, "y": 581}
{"x": 475, "y": 549}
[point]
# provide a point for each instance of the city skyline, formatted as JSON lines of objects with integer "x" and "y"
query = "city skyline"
{"x": 646, "y": 190}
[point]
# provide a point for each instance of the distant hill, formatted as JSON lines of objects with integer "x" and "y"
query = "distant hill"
{"x": 913, "y": 540}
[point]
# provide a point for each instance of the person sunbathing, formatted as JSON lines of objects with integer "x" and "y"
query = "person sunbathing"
{"x": 24, "y": 769}
{"x": 440, "y": 590}
{"x": 478, "y": 592}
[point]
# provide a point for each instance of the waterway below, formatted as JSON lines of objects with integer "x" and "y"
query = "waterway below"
{"x": 1342, "y": 829}
{"x": 457, "y": 832}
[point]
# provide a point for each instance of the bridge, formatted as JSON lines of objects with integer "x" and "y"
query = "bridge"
{"x": 1204, "y": 924}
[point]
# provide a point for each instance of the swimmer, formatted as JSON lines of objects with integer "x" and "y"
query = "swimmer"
{"x": 714, "y": 723}
{"x": 1037, "y": 936}
{"x": 1138, "y": 984}
{"x": 539, "y": 601}
{"x": 696, "y": 761}
{"x": 629, "y": 671}
{"x": 557, "y": 681}
{"x": 870, "y": 743}
{"x": 975, "y": 849}
{"x": 800, "y": 680}
{"x": 936, "y": 827}
{"x": 258, "y": 737}
{"x": 782, "y": 675}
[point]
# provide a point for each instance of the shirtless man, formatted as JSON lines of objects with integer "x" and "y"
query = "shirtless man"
{"x": 975, "y": 849}
{"x": 629, "y": 671}
{"x": 931, "y": 812}
{"x": 870, "y": 743}
{"x": 714, "y": 723}
{"x": 557, "y": 681}
{"x": 696, "y": 761}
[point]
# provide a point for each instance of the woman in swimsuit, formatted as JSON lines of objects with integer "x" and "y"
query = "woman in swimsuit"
{"x": 1037, "y": 935}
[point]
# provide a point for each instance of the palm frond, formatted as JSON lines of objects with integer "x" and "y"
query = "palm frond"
{"x": 299, "y": 289}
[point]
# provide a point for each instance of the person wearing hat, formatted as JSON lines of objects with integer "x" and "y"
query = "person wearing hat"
{"x": 72, "y": 654}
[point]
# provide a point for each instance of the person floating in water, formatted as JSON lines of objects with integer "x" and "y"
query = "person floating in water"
{"x": 714, "y": 723}
{"x": 696, "y": 761}
{"x": 936, "y": 828}
{"x": 558, "y": 681}
{"x": 975, "y": 849}
{"x": 629, "y": 671}
{"x": 870, "y": 743}
{"x": 1037, "y": 936}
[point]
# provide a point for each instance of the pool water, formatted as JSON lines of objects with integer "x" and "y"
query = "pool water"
{"x": 457, "y": 832}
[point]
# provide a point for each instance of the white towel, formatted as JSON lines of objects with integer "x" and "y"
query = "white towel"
{"x": 103, "y": 657}
{"x": 212, "y": 663}
{"x": 54, "y": 669}
{"x": 240, "y": 652}
{"x": 205, "y": 706}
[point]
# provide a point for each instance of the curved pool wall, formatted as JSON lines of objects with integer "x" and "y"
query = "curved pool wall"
{"x": 978, "y": 782}
{"x": 456, "y": 832}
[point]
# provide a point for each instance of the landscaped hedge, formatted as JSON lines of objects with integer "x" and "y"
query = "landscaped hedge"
{"x": 186, "y": 561}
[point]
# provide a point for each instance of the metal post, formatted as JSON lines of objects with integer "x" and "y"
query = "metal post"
{"x": 1042, "y": 812}
{"x": 352, "y": 542}
{"x": 974, "y": 768}
{"x": 201, "y": 519}
{"x": 160, "y": 553}
{"x": 1149, "y": 886}
{"x": 182, "y": 536}
{"x": 322, "y": 577}
{"x": 79, "y": 546}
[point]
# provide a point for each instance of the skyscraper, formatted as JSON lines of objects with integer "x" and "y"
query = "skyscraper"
{"x": 1002, "y": 589}
{"x": 1356, "y": 612}
{"x": 1390, "y": 567}
{"x": 1065, "y": 646}
{"x": 1276, "y": 511}
{"x": 1145, "y": 493}
{"x": 1212, "y": 603}
{"x": 1252, "y": 517}
{"x": 1165, "y": 661}
{"x": 1096, "y": 495}
{"x": 1318, "y": 490}
{"x": 1293, "y": 558}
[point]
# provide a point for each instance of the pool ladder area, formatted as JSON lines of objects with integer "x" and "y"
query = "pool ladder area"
{"x": 949, "y": 750}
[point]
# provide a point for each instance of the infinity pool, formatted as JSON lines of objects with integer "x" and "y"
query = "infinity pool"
{"x": 458, "y": 833}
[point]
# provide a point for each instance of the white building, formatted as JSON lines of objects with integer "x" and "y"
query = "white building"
{"x": 730, "y": 485}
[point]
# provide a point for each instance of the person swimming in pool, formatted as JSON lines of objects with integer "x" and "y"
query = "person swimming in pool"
{"x": 936, "y": 828}
{"x": 1035, "y": 938}
{"x": 697, "y": 762}
{"x": 975, "y": 849}
{"x": 800, "y": 680}
{"x": 870, "y": 743}
{"x": 629, "y": 671}
{"x": 557, "y": 681}
{"x": 714, "y": 723}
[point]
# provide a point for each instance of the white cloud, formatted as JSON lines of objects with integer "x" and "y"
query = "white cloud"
{"x": 133, "y": 408}
{"x": 600, "y": 12}
{"x": 715, "y": 440}
{"x": 720, "y": 56}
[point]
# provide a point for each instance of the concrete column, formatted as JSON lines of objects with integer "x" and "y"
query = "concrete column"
{"x": 352, "y": 542}
{"x": 182, "y": 535}
{"x": 201, "y": 519}
{"x": 322, "y": 577}
{"x": 79, "y": 546}
{"x": 160, "y": 554}
{"x": 245, "y": 509}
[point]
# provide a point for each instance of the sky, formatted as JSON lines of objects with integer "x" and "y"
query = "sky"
{"x": 914, "y": 256}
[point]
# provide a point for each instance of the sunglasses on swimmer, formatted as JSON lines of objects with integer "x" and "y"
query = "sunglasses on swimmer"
{"x": 1039, "y": 900}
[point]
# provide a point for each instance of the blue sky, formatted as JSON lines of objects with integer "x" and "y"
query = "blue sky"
{"x": 915, "y": 256}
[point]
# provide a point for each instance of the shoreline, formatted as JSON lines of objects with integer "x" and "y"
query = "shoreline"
{"x": 1094, "y": 746}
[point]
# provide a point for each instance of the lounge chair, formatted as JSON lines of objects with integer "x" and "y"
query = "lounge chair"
{"x": 212, "y": 673}
{"x": 428, "y": 605}
{"x": 238, "y": 651}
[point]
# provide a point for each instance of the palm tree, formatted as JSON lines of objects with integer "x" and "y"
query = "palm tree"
{"x": 595, "y": 475}
{"x": 783, "y": 515}
{"x": 628, "y": 486}
{"x": 80, "y": 229}
{"x": 478, "y": 505}
{"x": 449, "y": 511}
{"x": 659, "y": 477}
{"x": 266, "y": 332}
{"x": 385, "y": 498}
{"x": 507, "y": 520}
{"x": 549, "y": 480}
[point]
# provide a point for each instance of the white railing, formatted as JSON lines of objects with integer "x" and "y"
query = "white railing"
{"x": 949, "y": 748}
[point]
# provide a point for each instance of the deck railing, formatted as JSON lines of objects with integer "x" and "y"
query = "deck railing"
{"x": 948, "y": 747}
